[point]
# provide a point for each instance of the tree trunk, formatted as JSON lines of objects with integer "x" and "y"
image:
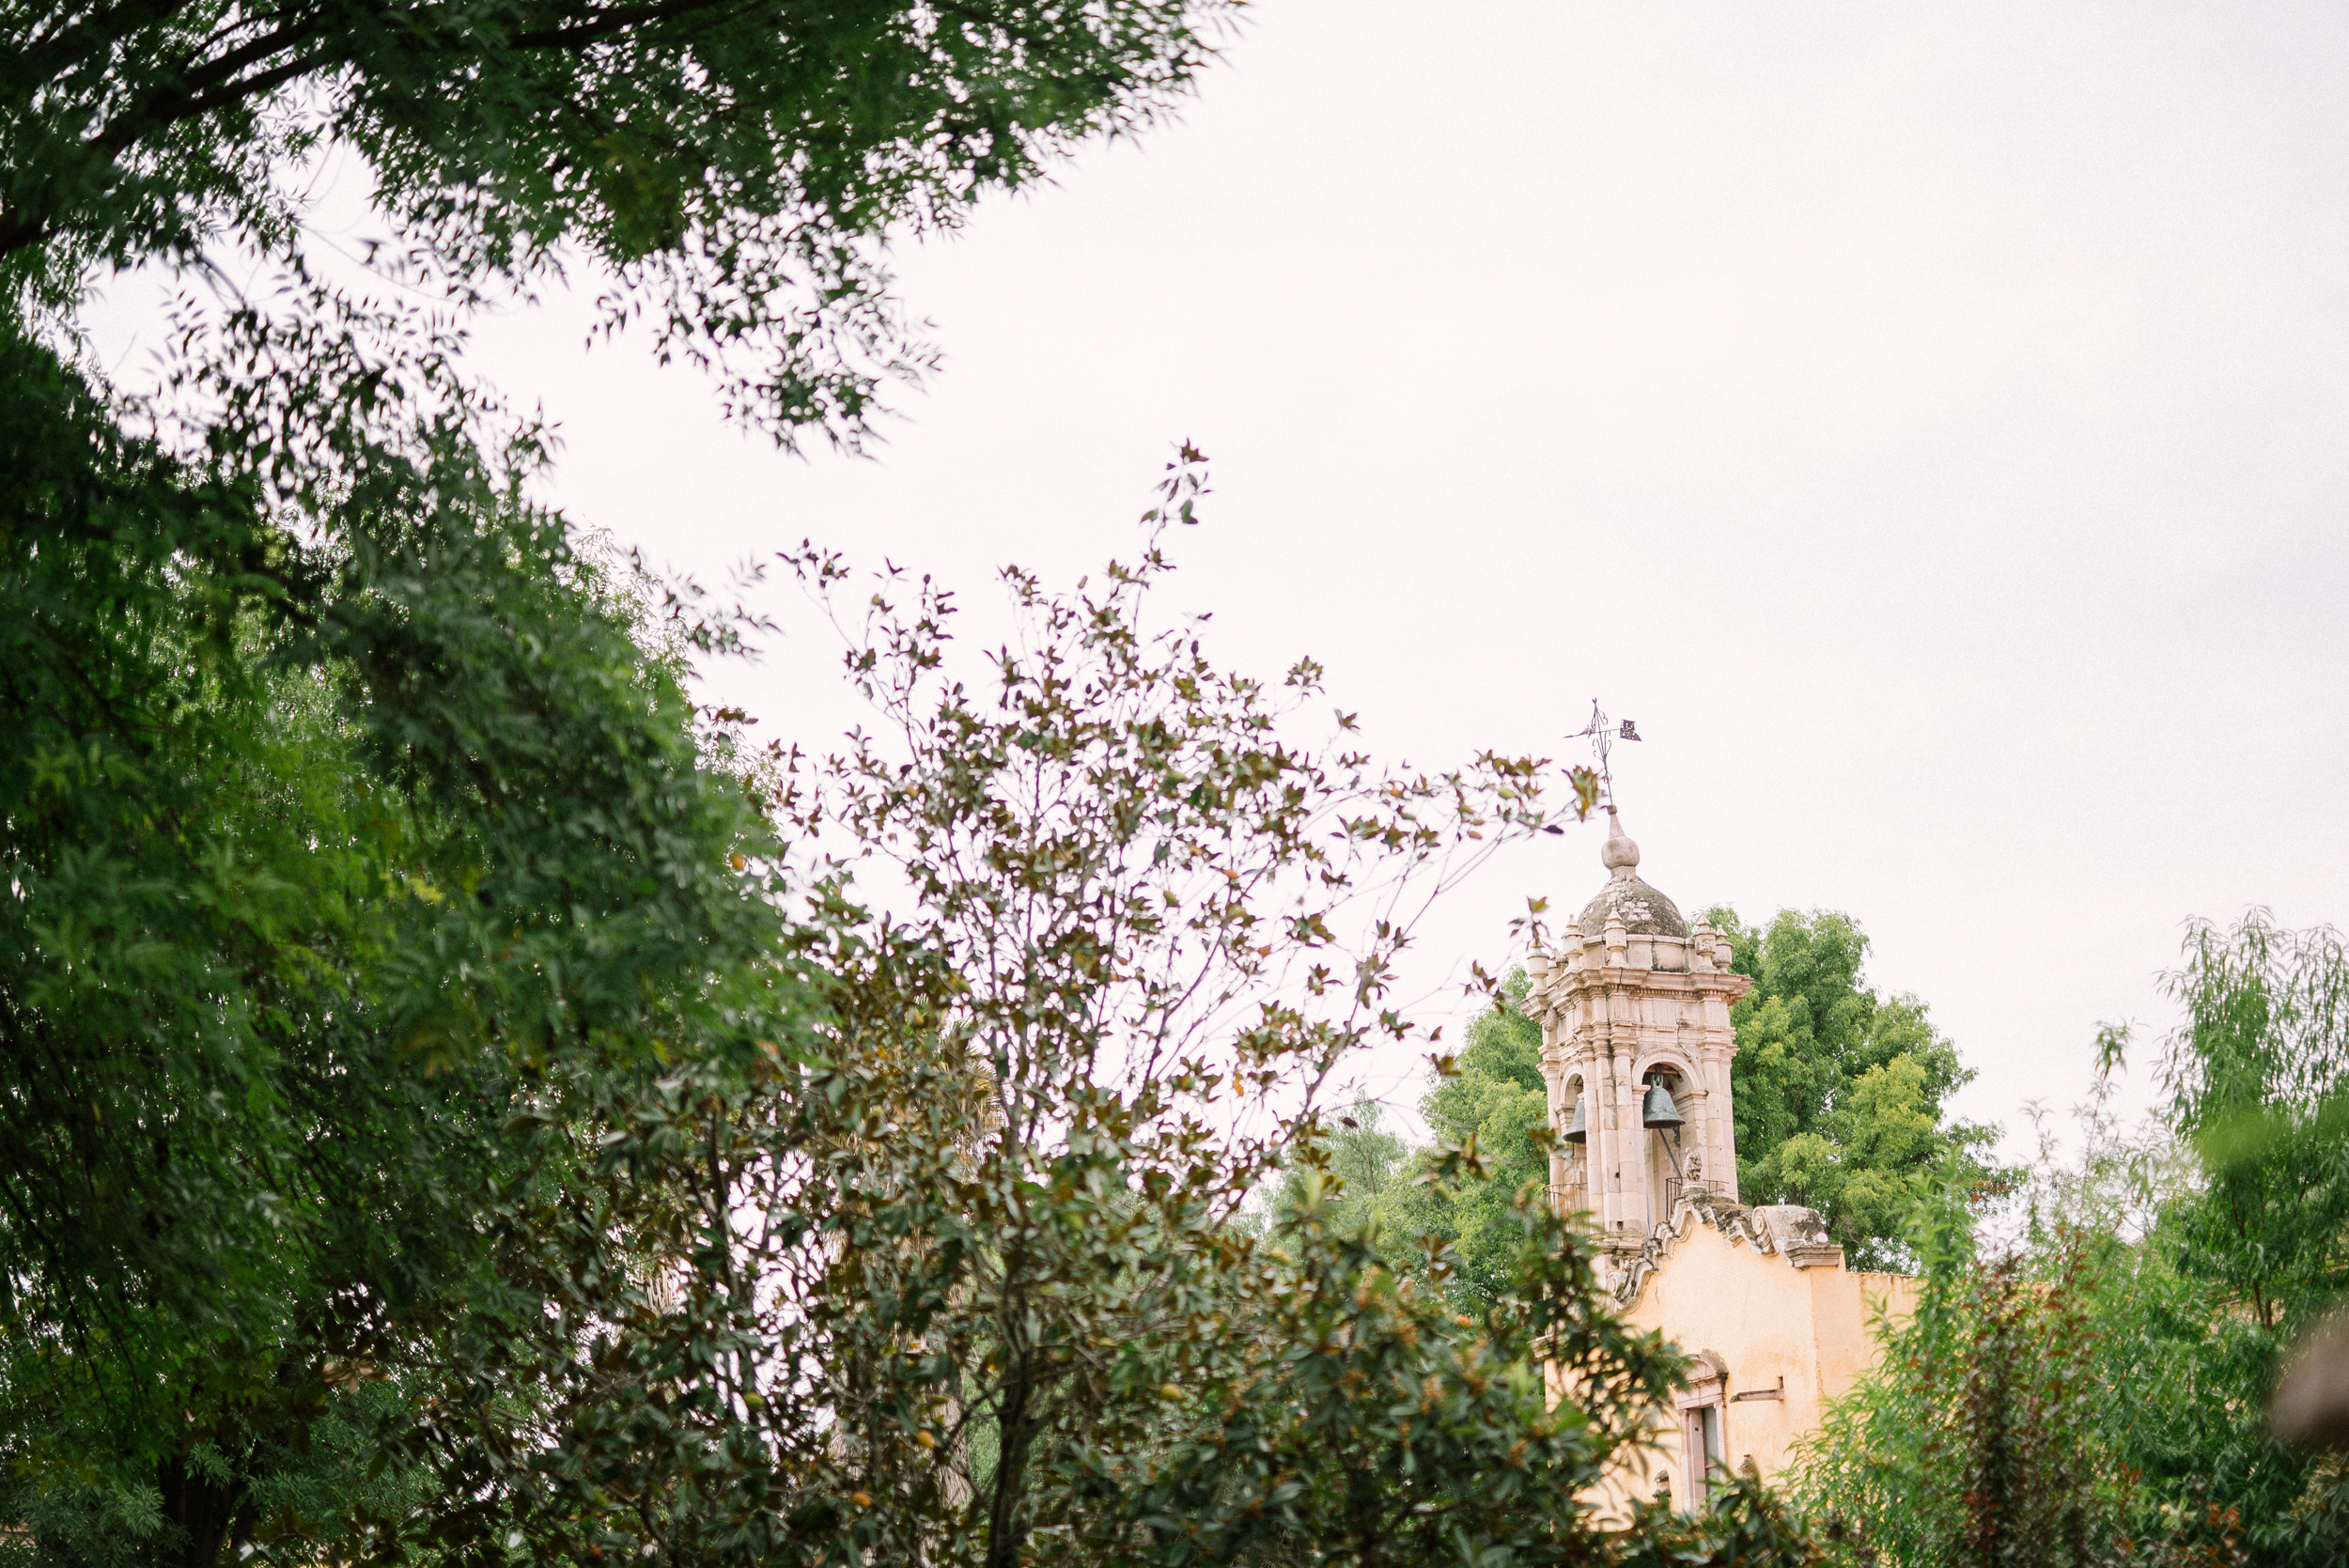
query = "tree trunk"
{"x": 205, "y": 1511}
{"x": 1014, "y": 1434}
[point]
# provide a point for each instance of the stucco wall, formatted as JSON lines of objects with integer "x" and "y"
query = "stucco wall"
{"x": 1764, "y": 1320}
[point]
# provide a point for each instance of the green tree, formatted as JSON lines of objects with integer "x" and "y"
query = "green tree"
{"x": 2258, "y": 1078}
{"x": 2111, "y": 1368}
{"x": 1975, "y": 1440}
{"x": 735, "y": 167}
{"x": 510, "y": 1178}
{"x": 1152, "y": 931}
{"x": 384, "y": 921}
{"x": 2251, "y": 1247}
{"x": 1840, "y": 1102}
{"x": 1841, "y": 1095}
{"x": 1345, "y": 1175}
{"x": 348, "y": 870}
{"x": 428, "y": 1137}
{"x": 1133, "y": 901}
{"x": 1490, "y": 1100}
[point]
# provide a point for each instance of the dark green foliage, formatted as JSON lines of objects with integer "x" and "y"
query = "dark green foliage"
{"x": 390, "y": 975}
{"x": 1357, "y": 1419}
{"x": 1746, "y": 1526}
{"x": 1347, "y": 1177}
{"x": 1362, "y": 1421}
{"x": 1146, "y": 930}
{"x": 1494, "y": 1103}
{"x": 1839, "y": 1092}
{"x": 2259, "y": 1083}
{"x": 426, "y": 1136}
{"x": 734, "y": 165}
{"x": 482, "y": 1165}
{"x": 2251, "y": 1249}
{"x": 330, "y": 847}
{"x": 2182, "y": 1398}
{"x": 1133, "y": 900}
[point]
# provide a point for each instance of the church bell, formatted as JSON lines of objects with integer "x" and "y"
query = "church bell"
{"x": 1659, "y": 1112}
{"x": 1576, "y": 1131}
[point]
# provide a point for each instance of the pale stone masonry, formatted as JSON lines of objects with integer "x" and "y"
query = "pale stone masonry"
{"x": 1630, "y": 997}
{"x": 1632, "y": 992}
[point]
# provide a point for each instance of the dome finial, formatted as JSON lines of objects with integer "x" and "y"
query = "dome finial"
{"x": 1625, "y": 897}
{"x": 1619, "y": 854}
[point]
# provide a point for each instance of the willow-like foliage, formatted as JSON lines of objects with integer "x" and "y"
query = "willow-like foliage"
{"x": 2097, "y": 1392}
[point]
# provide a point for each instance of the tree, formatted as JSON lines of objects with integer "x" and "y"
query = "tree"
{"x": 735, "y": 168}
{"x": 1364, "y": 1421}
{"x": 1345, "y": 1175}
{"x": 1491, "y": 1100}
{"x": 348, "y": 874}
{"x": 2250, "y": 1246}
{"x": 653, "y": 1226}
{"x": 1975, "y": 1438}
{"x": 2258, "y": 1077}
{"x": 1840, "y": 1094}
{"x": 1138, "y": 915}
{"x": 1006, "y": 1309}
{"x": 430, "y": 1137}
{"x": 378, "y": 896}
{"x": 2112, "y": 1367}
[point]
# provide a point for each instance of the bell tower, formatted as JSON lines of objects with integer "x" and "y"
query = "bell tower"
{"x": 1633, "y": 1003}
{"x": 1636, "y": 1043}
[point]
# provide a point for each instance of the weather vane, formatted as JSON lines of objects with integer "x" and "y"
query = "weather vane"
{"x": 1602, "y": 735}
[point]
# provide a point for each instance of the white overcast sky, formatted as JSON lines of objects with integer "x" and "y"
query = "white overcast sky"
{"x": 1926, "y": 420}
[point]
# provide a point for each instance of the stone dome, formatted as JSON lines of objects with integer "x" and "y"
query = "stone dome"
{"x": 1642, "y": 911}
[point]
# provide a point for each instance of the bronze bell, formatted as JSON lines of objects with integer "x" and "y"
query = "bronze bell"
{"x": 1659, "y": 1112}
{"x": 1575, "y": 1132}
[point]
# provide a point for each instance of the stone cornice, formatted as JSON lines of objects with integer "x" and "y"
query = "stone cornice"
{"x": 1802, "y": 1245}
{"x": 1567, "y": 985}
{"x": 1694, "y": 967}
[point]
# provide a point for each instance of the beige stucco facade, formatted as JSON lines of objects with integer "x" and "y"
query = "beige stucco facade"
{"x": 1630, "y": 998}
{"x": 1778, "y": 1326}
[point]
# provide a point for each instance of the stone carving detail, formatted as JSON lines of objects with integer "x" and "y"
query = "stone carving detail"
{"x": 1628, "y": 992}
{"x": 1773, "y": 1229}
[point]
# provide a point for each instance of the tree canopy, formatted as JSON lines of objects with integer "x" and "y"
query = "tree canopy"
{"x": 392, "y": 941}
{"x": 1493, "y": 1102}
{"x": 733, "y": 167}
{"x": 441, "y": 1129}
{"x": 352, "y": 875}
{"x": 2094, "y": 1387}
{"x": 1840, "y": 1093}
{"x": 445, "y": 1123}
{"x": 462, "y": 1104}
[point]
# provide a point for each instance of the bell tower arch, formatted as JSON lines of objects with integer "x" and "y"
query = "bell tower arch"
{"x": 1636, "y": 1044}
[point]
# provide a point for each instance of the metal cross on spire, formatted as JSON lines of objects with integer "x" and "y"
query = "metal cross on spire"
{"x": 1602, "y": 734}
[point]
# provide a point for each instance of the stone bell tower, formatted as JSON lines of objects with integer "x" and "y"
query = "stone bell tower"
{"x": 1636, "y": 1042}
{"x": 1636, "y": 1046}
